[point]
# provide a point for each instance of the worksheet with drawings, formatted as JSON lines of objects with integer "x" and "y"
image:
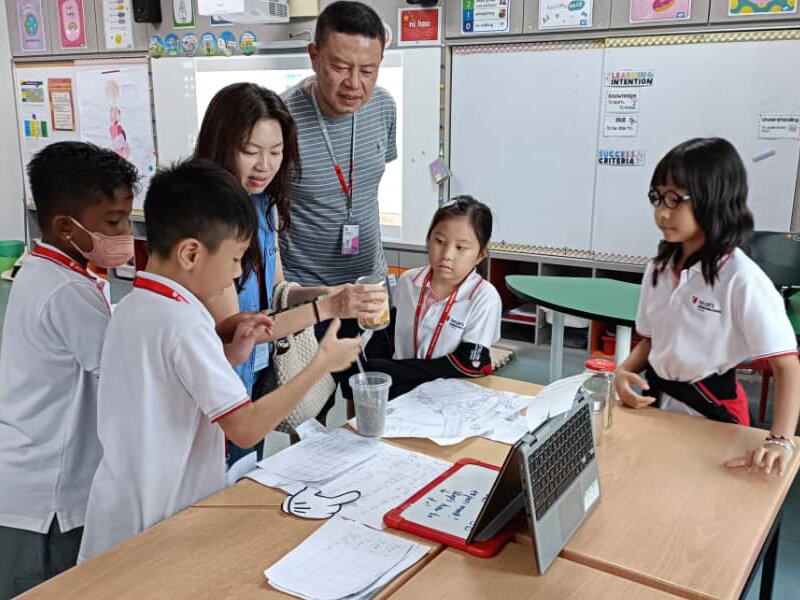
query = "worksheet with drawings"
{"x": 524, "y": 122}
{"x": 453, "y": 505}
{"x": 744, "y": 91}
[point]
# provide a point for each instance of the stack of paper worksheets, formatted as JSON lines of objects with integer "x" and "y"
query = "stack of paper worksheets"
{"x": 343, "y": 559}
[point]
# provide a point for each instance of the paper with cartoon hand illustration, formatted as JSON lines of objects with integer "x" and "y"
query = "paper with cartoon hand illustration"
{"x": 308, "y": 503}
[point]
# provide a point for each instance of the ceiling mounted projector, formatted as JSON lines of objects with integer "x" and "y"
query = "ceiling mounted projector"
{"x": 261, "y": 11}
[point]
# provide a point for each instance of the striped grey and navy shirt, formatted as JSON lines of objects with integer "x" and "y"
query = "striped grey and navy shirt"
{"x": 311, "y": 251}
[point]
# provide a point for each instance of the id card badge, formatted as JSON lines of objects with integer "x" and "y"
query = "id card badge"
{"x": 261, "y": 360}
{"x": 350, "y": 239}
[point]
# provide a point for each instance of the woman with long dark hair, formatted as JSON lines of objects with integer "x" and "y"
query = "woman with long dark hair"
{"x": 248, "y": 130}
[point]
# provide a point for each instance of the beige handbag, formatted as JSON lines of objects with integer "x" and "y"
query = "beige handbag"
{"x": 290, "y": 356}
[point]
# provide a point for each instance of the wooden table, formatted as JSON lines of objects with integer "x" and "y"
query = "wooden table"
{"x": 671, "y": 515}
{"x": 220, "y": 548}
{"x": 249, "y": 493}
{"x": 456, "y": 575}
{"x": 199, "y": 553}
{"x": 671, "y": 519}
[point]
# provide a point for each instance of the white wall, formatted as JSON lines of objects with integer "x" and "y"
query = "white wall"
{"x": 11, "y": 208}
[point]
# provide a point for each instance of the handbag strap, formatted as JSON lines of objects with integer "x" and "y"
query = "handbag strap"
{"x": 280, "y": 295}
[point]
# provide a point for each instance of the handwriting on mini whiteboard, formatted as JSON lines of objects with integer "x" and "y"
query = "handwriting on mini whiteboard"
{"x": 456, "y": 503}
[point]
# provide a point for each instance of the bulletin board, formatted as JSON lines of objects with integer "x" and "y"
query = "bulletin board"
{"x": 103, "y": 102}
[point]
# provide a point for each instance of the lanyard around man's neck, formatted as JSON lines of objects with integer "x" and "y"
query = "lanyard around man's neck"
{"x": 347, "y": 190}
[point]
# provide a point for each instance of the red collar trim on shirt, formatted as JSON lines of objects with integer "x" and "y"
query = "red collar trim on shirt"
{"x": 698, "y": 267}
{"x": 62, "y": 259}
{"x": 421, "y": 272}
{"x": 475, "y": 289}
{"x": 158, "y": 288}
{"x": 724, "y": 261}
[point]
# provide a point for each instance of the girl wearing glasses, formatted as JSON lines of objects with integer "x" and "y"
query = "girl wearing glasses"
{"x": 706, "y": 307}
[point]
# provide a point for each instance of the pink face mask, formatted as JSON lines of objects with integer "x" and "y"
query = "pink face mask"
{"x": 108, "y": 251}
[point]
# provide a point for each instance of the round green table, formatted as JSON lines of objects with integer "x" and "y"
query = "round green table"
{"x": 589, "y": 297}
{"x": 793, "y": 310}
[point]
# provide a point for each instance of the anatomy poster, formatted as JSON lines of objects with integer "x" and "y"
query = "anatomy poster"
{"x": 114, "y": 111}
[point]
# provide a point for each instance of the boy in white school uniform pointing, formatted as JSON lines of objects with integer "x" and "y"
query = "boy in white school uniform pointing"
{"x": 53, "y": 334}
{"x": 168, "y": 394}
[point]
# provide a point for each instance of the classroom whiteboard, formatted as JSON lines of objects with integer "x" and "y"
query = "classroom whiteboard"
{"x": 528, "y": 123}
{"x": 524, "y": 122}
{"x": 182, "y": 89}
{"x": 700, "y": 90}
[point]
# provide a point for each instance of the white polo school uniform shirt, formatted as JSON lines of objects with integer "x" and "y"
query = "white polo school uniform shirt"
{"x": 52, "y": 340}
{"x": 164, "y": 382}
{"x": 697, "y": 331}
{"x": 474, "y": 316}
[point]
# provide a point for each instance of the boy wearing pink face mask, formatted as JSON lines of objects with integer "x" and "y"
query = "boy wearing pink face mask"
{"x": 53, "y": 334}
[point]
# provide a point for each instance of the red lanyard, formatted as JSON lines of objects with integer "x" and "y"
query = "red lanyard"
{"x": 442, "y": 320}
{"x": 158, "y": 288}
{"x": 346, "y": 189}
{"x": 65, "y": 261}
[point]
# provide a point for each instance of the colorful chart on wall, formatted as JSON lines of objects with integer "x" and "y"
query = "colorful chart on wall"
{"x": 114, "y": 111}
{"x": 484, "y": 16}
{"x": 660, "y": 10}
{"x": 737, "y": 8}
{"x": 45, "y": 112}
{"x": 118, "y": 24}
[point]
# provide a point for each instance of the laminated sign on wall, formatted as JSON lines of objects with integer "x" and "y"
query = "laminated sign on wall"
{"x": 484, "y": 16}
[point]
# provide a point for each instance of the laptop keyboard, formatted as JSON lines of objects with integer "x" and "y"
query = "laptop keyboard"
{"x": 555, "y": 464}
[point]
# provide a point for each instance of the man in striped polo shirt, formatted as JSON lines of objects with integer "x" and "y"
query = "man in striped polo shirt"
{"x": 346, "y": 133}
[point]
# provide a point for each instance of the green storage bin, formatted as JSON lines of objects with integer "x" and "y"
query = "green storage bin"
{"x": 10, "y": 251}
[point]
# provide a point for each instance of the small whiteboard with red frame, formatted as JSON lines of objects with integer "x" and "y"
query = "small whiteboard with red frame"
{"x": 445, "y": 510}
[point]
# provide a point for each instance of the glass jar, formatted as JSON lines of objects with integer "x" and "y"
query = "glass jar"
{"x": 599, "y": 392}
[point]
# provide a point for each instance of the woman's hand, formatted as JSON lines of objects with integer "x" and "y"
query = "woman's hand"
{"x": 350, "y": 301}
{"x": 623, "y": 382}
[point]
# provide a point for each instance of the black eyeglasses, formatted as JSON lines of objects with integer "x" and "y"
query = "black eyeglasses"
{"x": 670, "y": 199}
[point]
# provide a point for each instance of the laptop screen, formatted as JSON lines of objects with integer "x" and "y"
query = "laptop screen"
{"x": 505, "y": 500}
